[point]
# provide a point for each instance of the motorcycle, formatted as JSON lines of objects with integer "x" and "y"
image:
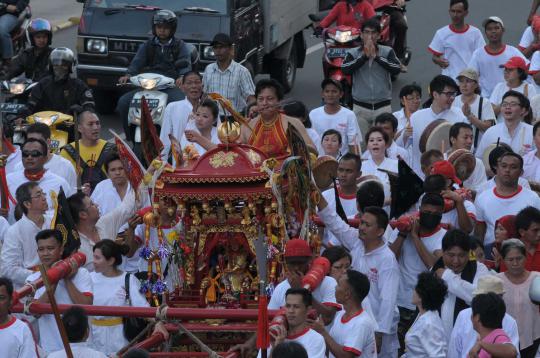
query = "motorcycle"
{"x": 387, "y": 38}
{"x": 19, "y": 35}
{"x": 151, "y": 85}
{"x": 337, "y": 41}
{"x": 61, "y": 124}
{"x": 13, "y": 96}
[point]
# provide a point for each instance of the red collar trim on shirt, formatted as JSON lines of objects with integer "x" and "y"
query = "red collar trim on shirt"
{"x": 453, "y": 29}
{"x": 298, "y": 335}
{"x": 345, "y": 320}
{"x": 345, "y": 196}
{"x": 34, "y": 177}
{"x": 520, "y": 188}
{"x": 430, "y": 233}
{"x": 494, "y": 53}
{"x": 9, "y": 323}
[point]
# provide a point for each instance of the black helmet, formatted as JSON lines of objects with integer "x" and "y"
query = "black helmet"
{"x": 61, "y": 56}
{"x": 39, "y": 26}
{"x": 164, "y": 17}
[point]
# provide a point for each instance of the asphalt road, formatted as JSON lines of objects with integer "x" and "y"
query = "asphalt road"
{"x": 424, "y": 17}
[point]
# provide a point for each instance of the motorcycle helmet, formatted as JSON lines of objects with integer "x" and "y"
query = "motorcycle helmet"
{"x": 39, "y": 26}
{"x": 58, "y": 60}
{"x": 164, "y": 17}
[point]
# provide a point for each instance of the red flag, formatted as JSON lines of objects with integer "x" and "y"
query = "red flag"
{"x": 263, "y": 335}
{"x": 132, "y": 165}
{"x": 150, "y": 142}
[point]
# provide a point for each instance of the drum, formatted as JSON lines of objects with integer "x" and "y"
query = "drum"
{"x": 435, "y": 136}
{"x": 485, "y": 155}
{"x": 324, "y": 171}
{"x": 369, "y": 179}
{"x": 464, "y": 163}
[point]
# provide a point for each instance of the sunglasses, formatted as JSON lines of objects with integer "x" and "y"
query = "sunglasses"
{"x": 33, "y": 154}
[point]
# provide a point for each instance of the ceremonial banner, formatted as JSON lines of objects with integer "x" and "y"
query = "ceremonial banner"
{"x": 133, "y": 167}
{"x": 63, "y": 222}
{"x": 150, "y": 142}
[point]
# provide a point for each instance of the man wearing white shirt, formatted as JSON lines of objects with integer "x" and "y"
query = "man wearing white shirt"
{"x": 410, "y": 99}
{"x": 372, "y": 257}
{"x": 109, "y": 193}
{"x": 488, "y": 59}
{"x": 351, "y": 290}
{"x": 73, "y": 289}
{"x": 349, "y": 170}
{"x": 297, "y": 305}
{"x": 179, "y": 115}
{"x": 460, "y": 274}
{"x": 417, "y": 251}
{"x": 13, "y": 153}
{"x": 512, "y": 131}
{"x": 461, "y": 137}
{"x": 453, "y": 45}
{"x": 464, "y": 336}
{"x": 34, "y": 153}
{"x": 507, "y": 198}
{"x": 531, "y": 160}
{"x": 19, "y": 252}
{"x": 529, "y": 42}
{"x": 443, "y": 91}
{"x": 55, "y": 163}
{"x": 334, "y": 116}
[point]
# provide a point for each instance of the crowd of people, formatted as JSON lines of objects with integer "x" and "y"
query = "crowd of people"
{"x": 454, "y": 276}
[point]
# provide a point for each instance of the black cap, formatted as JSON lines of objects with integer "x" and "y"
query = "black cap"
{"x": 332, "y": 81}
{"x": 222, "y": 39}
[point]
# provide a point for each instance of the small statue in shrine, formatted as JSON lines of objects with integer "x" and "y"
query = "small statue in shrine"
{"x": 236, "y": 272}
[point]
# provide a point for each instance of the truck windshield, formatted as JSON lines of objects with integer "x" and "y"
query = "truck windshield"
{"x": 209, "y": 6}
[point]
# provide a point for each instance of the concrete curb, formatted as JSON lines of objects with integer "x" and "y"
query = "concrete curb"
{"x": 62, "y": 25}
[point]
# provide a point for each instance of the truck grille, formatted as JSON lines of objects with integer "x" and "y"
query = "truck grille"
{"x": 124, "y": 46}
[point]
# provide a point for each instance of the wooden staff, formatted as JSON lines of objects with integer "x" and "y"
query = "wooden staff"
{"x": 56, "y": 313}
{"x": 77, "y": 150}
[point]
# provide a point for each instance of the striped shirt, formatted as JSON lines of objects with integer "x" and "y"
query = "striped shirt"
{"x": 234, "y": 83}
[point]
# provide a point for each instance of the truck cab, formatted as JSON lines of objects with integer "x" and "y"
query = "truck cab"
{"x": 268, "y": 35}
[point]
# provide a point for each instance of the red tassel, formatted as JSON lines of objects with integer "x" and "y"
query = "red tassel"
{"x": 263, "y": 337}
{"x": 5, "y": 191}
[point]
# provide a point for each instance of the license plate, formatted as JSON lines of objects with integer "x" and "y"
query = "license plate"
{"x": 152, "y": 103}
{"x": 337, "y": 52}
{"x": 12, "y": 107}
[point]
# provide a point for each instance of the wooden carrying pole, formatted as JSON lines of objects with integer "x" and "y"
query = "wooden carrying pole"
{"x": 56, "y": 313}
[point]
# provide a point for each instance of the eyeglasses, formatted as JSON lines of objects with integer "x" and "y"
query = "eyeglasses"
{"x": 450, "y": 93}
{"x": 32, "y": 153}
{"x": 411, "y": 98}
{"x": 510, "y": 104}
{"x": 38, "y": 195}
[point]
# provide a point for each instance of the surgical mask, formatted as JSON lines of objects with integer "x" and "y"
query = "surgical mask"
{"x": 430, "y": 220}
{"x": 60, "y": 73}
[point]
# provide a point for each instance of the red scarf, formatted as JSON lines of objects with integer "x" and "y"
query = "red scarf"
{"x": 34, "y": 177}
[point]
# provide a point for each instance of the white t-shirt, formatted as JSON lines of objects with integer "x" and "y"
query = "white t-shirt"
{"x": 106, "y": 197}
{"x": 456, "y": 46}
{"x": 16, "y": 340}
{"x": 49, "y": 182}
{"x": 426, "y": 337}
{"x": 79, "y": 350}
{"x": 178, "y": 117}
{"x": 487, "y": 111}
{"x": 490, "y": 206}
{"x": 464, "y": 336}
{"x": 369, "y": 167}
{"x": 527, "y": 38}
{"x": 501, "y": 88}
{"x": 344, "y": 121}
{"x": 312, "y": 341}
{"x": 355, "y": 335}
{"x": 200, "y": 149}
{"x": 13, "y": 160}
{"x": 111, "y": 291}
{"x": 531, "y": 166}
{"x": 348, "y": 202}
{"x": 478, "y": 178}
{"x": 325, "y": 294}
{"x": 490, "y": 184}
{"x": 49, "y": 338}
{"x": 487, "y": 64}
{"x": 420, "y": 120}
{"x": 451, "y": 217}
{"x": 315, "y": 138}
{"x": 411, "y": 264}
{"x": 521, "y": 141}
{"x": 534, "y": 68}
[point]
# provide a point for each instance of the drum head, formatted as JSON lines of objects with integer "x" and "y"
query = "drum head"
{"x": 324, "y": 171}
{"x": 464, "y": 162}
{"x": 485, "y": 155}
{"x": 369, "y": 179}
{"x": 435, "y": 134}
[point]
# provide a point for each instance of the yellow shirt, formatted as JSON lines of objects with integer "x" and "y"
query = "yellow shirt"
{"x": 88, "y": 154}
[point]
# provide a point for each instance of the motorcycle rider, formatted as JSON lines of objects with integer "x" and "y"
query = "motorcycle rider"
{"x": 34, "y": 61}
{"x": 9, "y": 12}
{"x": 398, "y": 23}
{"x": 160, "y": 54}
{"x": 58, "y": 91}
{"x": 351, "y": 13}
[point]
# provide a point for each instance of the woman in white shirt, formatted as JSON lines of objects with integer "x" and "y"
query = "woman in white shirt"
{"x": 426, "y": 338}
{"x": 515, "y": 77}
{"x": 109, "y": 290}
{"x": 476, "y": 108}
{"x": 377, "y": 141}
{"x": 331, "y": 143}
{"x": 204, "y": 137}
